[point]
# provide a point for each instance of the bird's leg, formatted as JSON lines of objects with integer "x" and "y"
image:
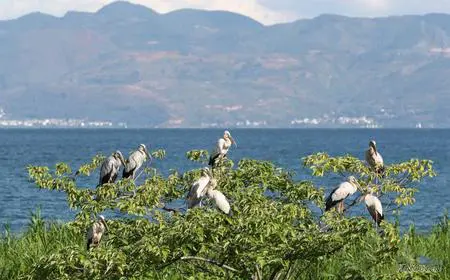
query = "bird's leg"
{"x": 134, "y": 180}
{"x": 376, "y": 222}
{"x": 341, "y": 207}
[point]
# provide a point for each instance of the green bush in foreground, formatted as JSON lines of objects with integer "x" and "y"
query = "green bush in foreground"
{"x": 19, "y": 255}
{"x": 272, "y": 233}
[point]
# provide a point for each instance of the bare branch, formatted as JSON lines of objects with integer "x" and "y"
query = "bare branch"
{"x": 388, "y": 209}
{"x": 353, "y": 203}
{"x": 173, "y": 210}
{"x": 188, "y": 258}
{"x": 258, "y": 273}
{"x": 288, "y": 273}
{"x": 276, "y": 274}
{"x": 169, "y": 263}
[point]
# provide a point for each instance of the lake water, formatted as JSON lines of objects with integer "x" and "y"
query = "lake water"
{"x": 21, "y": 147}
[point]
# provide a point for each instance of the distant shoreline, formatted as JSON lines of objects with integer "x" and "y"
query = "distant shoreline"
{"x": 220, "y": 128}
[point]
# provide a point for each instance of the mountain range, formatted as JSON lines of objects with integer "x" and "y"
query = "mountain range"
{"x": 194, "y": 68}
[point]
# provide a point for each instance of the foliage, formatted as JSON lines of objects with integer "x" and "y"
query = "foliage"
{"x": 371, "y": 259}
{"x": 396, "y": 186}
{"x": 18, "y": 255}
{"x": 271, "y": 233}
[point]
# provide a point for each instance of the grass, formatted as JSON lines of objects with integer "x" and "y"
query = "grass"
{"x": 435, "y": 247}
{"x": 417, "y": 256}
{"x": 18, "y": 254}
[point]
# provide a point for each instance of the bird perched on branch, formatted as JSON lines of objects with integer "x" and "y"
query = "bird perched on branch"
{"x": 95, "y": 233}
{"x": 374, "y": 158}
{"x": 205, "y": 186}
{"x": 221, "y": 149}
{"x": 339, "y": 194}
{"x": 199, "y": 188}
{"x": 135, "y": 161}
{"x": 220, "y": 200}
{"x": 374, "y": 206}
{"x": 110, "y": 168}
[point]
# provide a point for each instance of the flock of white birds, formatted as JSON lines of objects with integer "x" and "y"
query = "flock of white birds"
{"x": 205, "y": 186}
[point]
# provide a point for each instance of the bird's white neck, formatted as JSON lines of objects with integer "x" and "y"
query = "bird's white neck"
{"x": 227, "y": 142}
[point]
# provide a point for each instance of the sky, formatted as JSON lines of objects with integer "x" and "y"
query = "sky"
{"x": 264, "y": 11}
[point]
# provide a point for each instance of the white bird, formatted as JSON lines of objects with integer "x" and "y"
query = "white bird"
{"x": 199, "y": 188}
{"x": 374, "y": 207}
{"x": 220, "y": 200}
{"x": 221, "y": 148}
{"x": 339, "y": 194}
{"x": 206, "y": 185}
{"x": 95, "y": 233}
{"x": 374, "y": 158}
{"x": 135, "y": 161}
{"x": 110, "y": 168}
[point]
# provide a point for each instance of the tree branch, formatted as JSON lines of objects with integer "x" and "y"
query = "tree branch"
{"x": 288, "y": 273}
{"x": 170, "y": 209}
{"x": 276, "y": 273}
{"x": 258, "y": 273}
{"x": 188, "y": 258}
{"x": 353, "y": 203}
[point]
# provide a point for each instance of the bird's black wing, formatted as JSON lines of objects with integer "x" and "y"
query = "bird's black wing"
{"x": 105, "y": 179}
{"x": 213, "y": 160}
{"x": 106, "y": 171}
{"x": 129, "y": 168}
{"x": 127, "y": 174}
{"x": 379, "y": 218}
{"x": 114, "y": 177}
{"x": 329, "y": 202}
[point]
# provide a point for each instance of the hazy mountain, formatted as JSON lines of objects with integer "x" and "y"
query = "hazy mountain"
{"x": 194, "y": 68}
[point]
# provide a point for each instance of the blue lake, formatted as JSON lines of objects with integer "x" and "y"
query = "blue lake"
{"x": 21, "y": 147}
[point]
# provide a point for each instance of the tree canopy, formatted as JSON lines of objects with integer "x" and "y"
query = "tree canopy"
{"x": 273, "y": 229}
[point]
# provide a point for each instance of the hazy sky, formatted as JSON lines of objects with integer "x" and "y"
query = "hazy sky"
{"x": 265, "y": 11}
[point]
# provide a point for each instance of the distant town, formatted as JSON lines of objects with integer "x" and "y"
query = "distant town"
{"x": 62, "y": 123}
{"x": 311, "y": 122}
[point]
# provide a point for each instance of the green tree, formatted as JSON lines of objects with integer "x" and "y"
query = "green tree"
{"x": 272, "y": 233}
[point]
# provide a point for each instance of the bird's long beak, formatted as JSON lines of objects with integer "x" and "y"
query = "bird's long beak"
{"x": 232, "y": 141}
{"x": 361, "y": 198}
{"x": 122, "y": 160}
{"x": 106, "y": 226}
{"x": 374, "y": 147}
{"x": 148, "y": 154}
{"x": 212, "y": 183}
